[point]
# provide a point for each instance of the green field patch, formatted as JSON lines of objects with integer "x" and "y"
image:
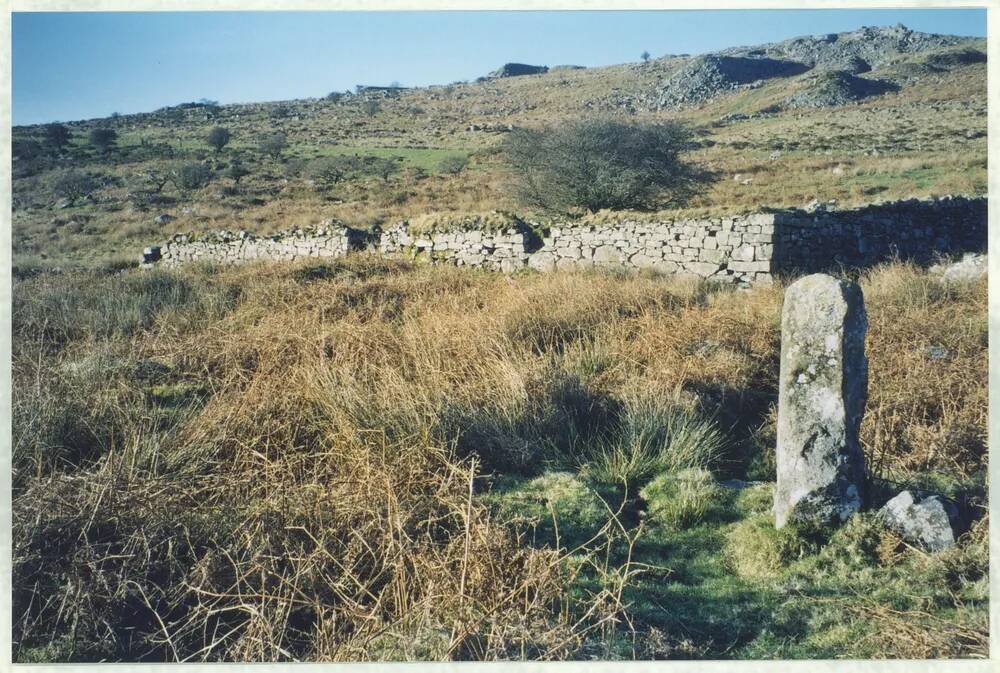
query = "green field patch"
{"x": 428, "y": 159}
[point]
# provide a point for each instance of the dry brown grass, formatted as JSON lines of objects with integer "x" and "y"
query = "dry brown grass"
{"x": 295, "y": 484}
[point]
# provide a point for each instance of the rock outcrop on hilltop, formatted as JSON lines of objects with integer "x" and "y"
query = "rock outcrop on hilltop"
{"x": 517, "y": 70}
{"x": 872, "y": 46}
{"x": 840, "y": 57}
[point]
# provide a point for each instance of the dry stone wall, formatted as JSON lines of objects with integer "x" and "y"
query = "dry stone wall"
{"x": 728, "y": 248}
{"x": 504, "y": 249}
{"x": 749, "y": 248}
{"x": 913, "y": 229}
{"x": 224, "y": 247}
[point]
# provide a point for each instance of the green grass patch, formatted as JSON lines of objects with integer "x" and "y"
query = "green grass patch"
{"x": 425, "y": 158}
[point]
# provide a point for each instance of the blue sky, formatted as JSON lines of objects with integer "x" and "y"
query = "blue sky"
{"x": 69, "y": 66}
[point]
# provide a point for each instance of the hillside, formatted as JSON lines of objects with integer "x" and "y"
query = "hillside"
{"x": 857, "y": 117}
{"x": 367, "y": 446}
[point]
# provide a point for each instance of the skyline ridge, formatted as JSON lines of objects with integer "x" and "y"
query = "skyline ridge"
{"x": 232, "y": 74}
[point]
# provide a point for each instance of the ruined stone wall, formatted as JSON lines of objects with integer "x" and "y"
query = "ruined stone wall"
{"x": 740, "y": 248}
{"x": 225, "y": 247}
{"x": 913, "y": 229}
{"x": 735, "y": 249}
{"x": 504, "y": 249}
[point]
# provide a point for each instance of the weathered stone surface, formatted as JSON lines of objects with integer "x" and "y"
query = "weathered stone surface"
{"x": 744, "y": 253}
{"x": 927, "y": 523}
{"x": 542, "y": 261}
{"x": 970, "y": 267}
{"x": 608, "y": 254}
{"x": 703, "y": 269}
{"x": 822, "y": 392}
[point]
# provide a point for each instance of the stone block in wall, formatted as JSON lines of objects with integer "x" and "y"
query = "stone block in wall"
{"x": 571, "y": 251}
{"x": 542, "y": 261}
{"x": 703, "y": 269}
{"x": 713, "y": 256}
{"x": 608, "y": 254}
{"x": 744, "y": 253}
{"x": 643, "y": 261}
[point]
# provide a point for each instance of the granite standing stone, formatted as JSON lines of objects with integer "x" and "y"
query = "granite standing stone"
{"x": 822, "y": 392}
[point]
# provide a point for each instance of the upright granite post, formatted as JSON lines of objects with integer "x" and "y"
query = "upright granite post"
{"x": 821, "y": 398}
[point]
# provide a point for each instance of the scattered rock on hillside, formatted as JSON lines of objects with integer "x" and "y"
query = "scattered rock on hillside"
{"x": 490, "y": 127}
{"x": 817, "y": 206}
{"x": 151, "y": 254}
{"x": 163, "y": 219}
{"x": 927, "y": 522}
{"x": 517, "y": 70}
{"x": 837, "y": 87}
{"x": 854, "y": 65}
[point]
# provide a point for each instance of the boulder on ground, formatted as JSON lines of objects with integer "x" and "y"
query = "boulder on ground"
{"x": 151, "y": 254}
{"x": 927, "y": 522}
{"x": 971, "y": 267}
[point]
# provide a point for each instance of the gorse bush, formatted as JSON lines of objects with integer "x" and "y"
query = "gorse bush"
{"x": 26, "y": 149}
{"x": 593, "y": 164}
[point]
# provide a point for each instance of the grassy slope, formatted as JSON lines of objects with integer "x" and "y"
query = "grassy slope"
{"x": 274, "y": 462}
{"x": 926, "y": 139}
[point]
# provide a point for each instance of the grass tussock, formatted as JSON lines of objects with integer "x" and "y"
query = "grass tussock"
{"x": 367, "y": 460}
{"x": 681, "y": 499}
